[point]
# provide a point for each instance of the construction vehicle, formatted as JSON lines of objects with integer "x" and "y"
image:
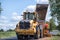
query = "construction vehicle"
{"x": 32, "y": 24}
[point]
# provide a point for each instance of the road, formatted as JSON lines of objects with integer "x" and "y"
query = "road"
{"x": 15, "y": 38}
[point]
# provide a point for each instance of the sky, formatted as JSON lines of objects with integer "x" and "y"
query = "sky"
{"x": 13, "y": 9}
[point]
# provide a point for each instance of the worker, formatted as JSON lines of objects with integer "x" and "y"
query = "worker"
{"x": 46, "y": 26}
{"x": 46, "y": 30}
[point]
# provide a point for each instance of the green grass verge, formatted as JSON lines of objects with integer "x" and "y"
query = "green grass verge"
{"x": 55, "y": 38}
{"x": 7, "y": 34}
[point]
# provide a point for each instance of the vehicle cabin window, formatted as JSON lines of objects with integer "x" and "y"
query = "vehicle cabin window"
{"x": 29, "y": 16}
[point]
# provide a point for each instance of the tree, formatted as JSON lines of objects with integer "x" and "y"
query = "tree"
{"x": 10, "y": 30}
{"x": 0, "y": 8}
{"x": 1, "y": 30}
{"x": 55, "y": 9}
{"x": 58, "y": 27}
{"x": 52, "y": 25}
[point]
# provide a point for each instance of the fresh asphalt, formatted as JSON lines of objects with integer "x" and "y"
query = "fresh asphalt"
{"x": 15, "y": 38}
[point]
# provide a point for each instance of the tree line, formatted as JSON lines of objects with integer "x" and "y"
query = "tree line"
{"x": 1, "y": 30}
{"x": 55, "y": 13}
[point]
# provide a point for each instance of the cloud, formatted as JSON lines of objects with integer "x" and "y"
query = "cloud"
{"x": 16, "y": 17}
{"x": 3, "y": 21}
{"x": 9, "y": 23}
{"x": 3, "y": 17}
{"x": 8, "y": 26}
{"x": 31, "y": 8}
{"x": 48, "y": 18}
{"x": 42, "y": 1}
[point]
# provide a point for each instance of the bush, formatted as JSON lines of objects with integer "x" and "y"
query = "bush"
{"x": 1, "y": 30}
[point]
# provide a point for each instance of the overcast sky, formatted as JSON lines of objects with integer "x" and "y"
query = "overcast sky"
{"x": 12, "y": 10}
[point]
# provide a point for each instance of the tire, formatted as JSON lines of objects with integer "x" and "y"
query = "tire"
{"x": 40, "y": 34}
{"x": 19, "y": 37}
{"x": 36, "y": 36}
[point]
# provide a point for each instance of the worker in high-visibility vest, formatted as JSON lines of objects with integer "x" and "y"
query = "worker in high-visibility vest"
{"x": 46, "y": 29}
{"x": 47, "y": 26}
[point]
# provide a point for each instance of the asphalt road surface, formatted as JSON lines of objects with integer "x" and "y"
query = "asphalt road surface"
{"x": 15, "y": 38}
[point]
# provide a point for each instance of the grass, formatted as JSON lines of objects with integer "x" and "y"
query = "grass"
{"x": 7, "y": 34}
{"x": 55, "y": 38}
{"x": 12, "y": 34}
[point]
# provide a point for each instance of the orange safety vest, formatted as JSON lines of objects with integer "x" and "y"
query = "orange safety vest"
{"x": 46, "y": 26}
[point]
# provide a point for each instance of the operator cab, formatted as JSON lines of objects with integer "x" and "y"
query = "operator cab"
{"x": 29, "y": 15}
